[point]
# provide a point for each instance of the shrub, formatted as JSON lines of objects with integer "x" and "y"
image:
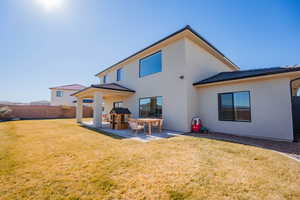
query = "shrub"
{"x": 5, "y": 113}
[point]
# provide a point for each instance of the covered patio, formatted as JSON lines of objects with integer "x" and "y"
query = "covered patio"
{"x": 102, "y": 92}
{"x": 129, "y": 134}
{"x": 99, "y": 93}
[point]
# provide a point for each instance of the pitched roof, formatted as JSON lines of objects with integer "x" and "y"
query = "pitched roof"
{"x": 112, "y": 86}
{"x": 188, "y": 27}
{"x": 69, "y": 87}
{"x": 242, "y": 74}
{"x": 106, "y": 86}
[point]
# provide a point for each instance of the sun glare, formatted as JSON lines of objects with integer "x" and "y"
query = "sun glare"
{"x": 50, "y": 5}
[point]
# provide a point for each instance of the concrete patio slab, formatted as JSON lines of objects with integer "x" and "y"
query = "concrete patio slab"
{"x": 128, "y": 134}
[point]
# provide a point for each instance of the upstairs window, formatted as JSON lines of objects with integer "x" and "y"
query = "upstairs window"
{"x": 59, "y": 93}
{"x": 235, "y": 106}
{"x": 120, "y": 74}
{"x": 104, "y": 79}
{"x": 151, "y": 64}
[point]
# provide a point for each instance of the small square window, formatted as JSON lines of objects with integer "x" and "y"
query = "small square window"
{"x": 59, "y": 93}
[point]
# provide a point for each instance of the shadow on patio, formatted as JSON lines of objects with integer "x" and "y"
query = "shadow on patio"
{"x": 128, "y": 134}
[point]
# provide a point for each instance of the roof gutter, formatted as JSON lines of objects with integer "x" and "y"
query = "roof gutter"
{"x": 248, "y": 78}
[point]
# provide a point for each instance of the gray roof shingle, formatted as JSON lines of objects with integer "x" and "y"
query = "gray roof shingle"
{"x": 112, "y": 86}
{"x": 107, "y": 86}
{"x": 242, "y": 74}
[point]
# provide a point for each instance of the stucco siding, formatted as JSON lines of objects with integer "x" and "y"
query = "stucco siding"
{"x": 166, "y": 84}
{"x": 66, "y": 99}
{"x": 109, "y": 102}
{"x": 270, "y": 109}
{"x": 200, "y": 65}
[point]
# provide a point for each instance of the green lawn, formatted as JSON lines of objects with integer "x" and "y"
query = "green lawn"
{"x": 57, "y": 159}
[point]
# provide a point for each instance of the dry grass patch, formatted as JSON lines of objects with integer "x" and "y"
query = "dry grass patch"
{"x": 57, "y": 159}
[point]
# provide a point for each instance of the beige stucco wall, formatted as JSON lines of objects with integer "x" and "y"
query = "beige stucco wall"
{"x": 66, "y": 99}
{"x": 270, "y": 98}
{"x": 199, "y": 65}
{"x": 181, "y": 58}
{"x": 270, "y": 109}
{"x": 166, "y": 84}
{"x": 109, "y": 102}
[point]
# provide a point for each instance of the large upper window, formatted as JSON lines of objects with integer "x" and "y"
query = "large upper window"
{"x": 151, "y": 107}
{"x": 59, "y": 93}
{"x": 235, "y": 106}
{"x": 104, "y": 79}
{"x": 151, "y": 64}
{"x": 120, "y": 74}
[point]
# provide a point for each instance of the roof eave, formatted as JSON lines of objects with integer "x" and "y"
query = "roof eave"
{"x": 101, "y": 88}
{"x": 80, "y": 91}
{"x": 197, "y": 84}
{"x": 168, "y": 37}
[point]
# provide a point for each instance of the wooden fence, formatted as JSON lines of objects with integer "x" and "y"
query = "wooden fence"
{"x": 46, "y": 112}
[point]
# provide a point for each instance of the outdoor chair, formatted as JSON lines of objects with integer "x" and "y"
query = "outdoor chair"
{"x": 135, "y": 126}
{"x": 158, "y": 125}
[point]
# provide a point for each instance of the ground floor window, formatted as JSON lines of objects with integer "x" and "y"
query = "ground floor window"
{"x": 118, "y": 104}
{"x": 235, "y": 106}
{"x": 151, "y": 107}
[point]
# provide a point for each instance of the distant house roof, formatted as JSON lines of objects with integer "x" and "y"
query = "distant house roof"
{"x": 235, "y": 75}
{"x": 69, "y": 87}
{"x": 107, "y": 86}
{"x": 186, "y": 28}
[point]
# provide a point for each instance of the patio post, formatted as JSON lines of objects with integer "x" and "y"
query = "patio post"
{"x": 97, "y": 106}
{"x": 79, "y": 110}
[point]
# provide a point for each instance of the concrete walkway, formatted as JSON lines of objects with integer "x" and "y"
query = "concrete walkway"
{"x": 291, "y": 149}
{"x": 127, "y": 133}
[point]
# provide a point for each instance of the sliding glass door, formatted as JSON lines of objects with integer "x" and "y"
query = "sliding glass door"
{"x": 151, "y": 107}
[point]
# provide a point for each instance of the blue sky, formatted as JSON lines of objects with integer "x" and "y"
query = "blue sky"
{"x": 41, "y": 48}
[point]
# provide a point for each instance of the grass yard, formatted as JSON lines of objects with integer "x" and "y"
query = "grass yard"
{"x": 57, "y": 159}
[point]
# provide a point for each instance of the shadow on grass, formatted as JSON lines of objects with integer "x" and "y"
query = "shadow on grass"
{"x": 280, "y": 146}
{"x": 103, "y": 132}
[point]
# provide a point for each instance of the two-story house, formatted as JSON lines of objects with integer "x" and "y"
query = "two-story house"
{"x": 182, "y": 76}
{"x": 62, "y": 95}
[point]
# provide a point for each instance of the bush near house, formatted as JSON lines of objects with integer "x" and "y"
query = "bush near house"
{"x": 5, "y": 113}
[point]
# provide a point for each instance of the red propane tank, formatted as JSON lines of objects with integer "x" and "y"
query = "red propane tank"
{"x": 196, "y": 125}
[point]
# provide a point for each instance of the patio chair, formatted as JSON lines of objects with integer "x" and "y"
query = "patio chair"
{"x": 135, "y": 126}
{"x": 158, "y": 125}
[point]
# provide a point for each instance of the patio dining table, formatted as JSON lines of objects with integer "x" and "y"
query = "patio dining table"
{"x": 149, "y": 122}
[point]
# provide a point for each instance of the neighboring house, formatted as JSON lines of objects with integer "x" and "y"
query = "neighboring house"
{"x": 61, "y": 95}
{"x": 183, "y": 76}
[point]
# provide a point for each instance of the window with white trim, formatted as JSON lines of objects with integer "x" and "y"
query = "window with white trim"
{"x": 59, "y": 93}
